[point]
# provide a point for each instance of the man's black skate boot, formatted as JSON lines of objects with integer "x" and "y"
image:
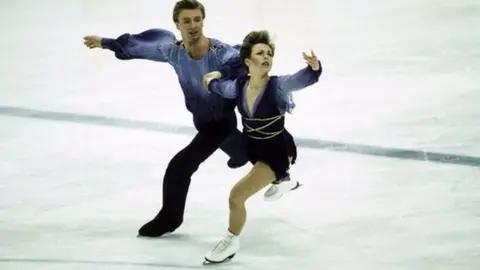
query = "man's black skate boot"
{"x": 158, "y": 227}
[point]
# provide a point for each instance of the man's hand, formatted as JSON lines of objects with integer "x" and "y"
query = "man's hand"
{"x": 92, "y": 42}
{"x": 209, "y": 77}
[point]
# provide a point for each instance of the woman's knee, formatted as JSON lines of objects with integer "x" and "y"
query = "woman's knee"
{"x": 236, "y": 199}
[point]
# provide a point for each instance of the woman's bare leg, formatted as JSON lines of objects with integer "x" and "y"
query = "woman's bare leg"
{"x": 259, "y": 177}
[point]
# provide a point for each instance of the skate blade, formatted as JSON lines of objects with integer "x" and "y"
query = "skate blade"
{"x": 208, "y": 262}
{"x": 297, "y": 186}
{"x": 156, "y": 236}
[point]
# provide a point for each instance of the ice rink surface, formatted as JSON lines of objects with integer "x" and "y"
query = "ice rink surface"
{"x": 389, "y": 139}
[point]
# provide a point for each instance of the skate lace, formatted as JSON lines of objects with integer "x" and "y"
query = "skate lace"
{"x": 223, "y": 244}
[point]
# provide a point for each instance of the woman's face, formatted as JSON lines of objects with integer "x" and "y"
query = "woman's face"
{"x": 261, "y": 59}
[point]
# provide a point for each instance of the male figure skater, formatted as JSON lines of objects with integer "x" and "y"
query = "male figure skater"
{"x": 213, "y": 116}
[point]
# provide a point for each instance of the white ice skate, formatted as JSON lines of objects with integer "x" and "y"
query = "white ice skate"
{"x": 279, "y": 188}
{"x": 224, "y": 251}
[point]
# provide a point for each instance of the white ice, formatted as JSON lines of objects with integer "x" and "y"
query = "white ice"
{"x": 396, "y": 74}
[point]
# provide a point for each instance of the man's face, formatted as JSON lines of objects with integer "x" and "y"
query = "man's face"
{"x": 190, "y": 25}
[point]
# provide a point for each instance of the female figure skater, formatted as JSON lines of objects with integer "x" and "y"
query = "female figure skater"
{"x": 262, "y": 100}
